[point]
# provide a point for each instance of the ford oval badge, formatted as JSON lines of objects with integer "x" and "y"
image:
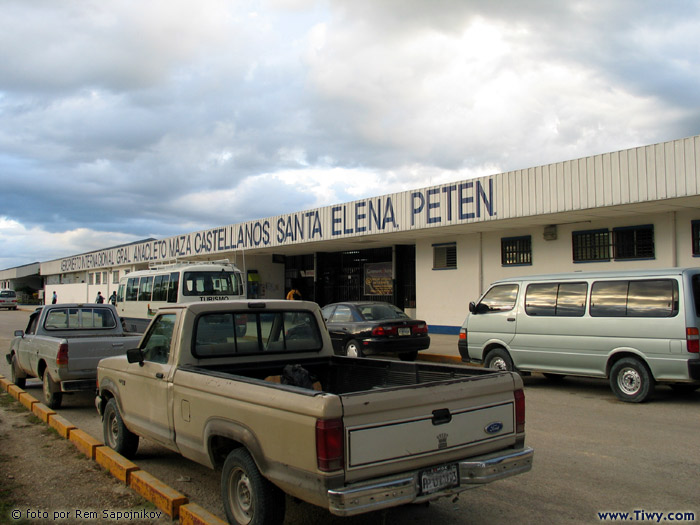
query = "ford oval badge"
{"x": 494, "y": 428}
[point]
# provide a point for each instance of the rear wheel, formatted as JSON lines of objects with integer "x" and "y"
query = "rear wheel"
{"x": 52, "y": 391}
{"x": 19, "y": 381}
{"x": 631, "y": 380}
{"x": 117, "y": 436}
{"x": 247, "y": 496}
{"x": 352, "y": 349}
{"x": 499, "y": 359}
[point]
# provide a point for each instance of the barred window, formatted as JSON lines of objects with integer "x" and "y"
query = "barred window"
{"x": 444, "y": 256}
{"x": 516, "y": 250}
{"x": 591, "y": 245}
{"x": 635, "y": 242}
{"x": 696, "y": 238}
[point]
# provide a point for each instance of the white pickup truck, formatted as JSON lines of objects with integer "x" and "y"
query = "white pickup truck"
{"x": 63, "y": 344}
{"x": 253, "y": 388}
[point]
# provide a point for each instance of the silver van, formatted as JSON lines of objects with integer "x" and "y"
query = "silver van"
{"x": 636, "y": 328}
{"x": 8, "y": 299}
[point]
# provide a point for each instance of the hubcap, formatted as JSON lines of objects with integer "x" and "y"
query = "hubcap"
{"x": 629, "y": 381}
{"x": 352, "y": 351}
{"x": 499, "y": 364}
{"x": 241, "y": 496}
{"x": 113, "y": 433}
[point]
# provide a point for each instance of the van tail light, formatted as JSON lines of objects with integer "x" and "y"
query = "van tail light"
{"x": 692, "y": 339}
{"x": 330, "y": 448}
{"x": 463, "y": 334}
{"x": 62, "y": 355}
{"x": 519, "y": 411}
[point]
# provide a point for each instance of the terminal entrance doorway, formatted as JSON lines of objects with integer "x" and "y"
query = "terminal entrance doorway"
{"x": 381, "y": 274}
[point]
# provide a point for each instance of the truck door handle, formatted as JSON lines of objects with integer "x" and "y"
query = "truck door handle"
{"x": 441, "y": 416}
{"x": 511, "y": 319}
{"x": 160, "y": 375}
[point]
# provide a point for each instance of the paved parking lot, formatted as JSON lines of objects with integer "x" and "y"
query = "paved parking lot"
{"x": 592, "y": 454}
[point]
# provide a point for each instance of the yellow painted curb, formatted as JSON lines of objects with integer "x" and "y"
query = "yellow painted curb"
{"x": 161, "y": 495}
{"x": 15, "y": 391}
{"x": 84, "y": 442}
{"x": 4, "y": 383}
{"x": 193, "y": 514}
{"x": 440, "y": 358}
{"x": 43, "y": 412}
{"x": 117, "y": 465}
{"x": 61, "y": 424}
{"x": 27, "y": 400}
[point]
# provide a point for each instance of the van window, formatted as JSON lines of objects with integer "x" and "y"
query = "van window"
{"x": 500, "y": 298}
{"x": 651, "y": 298}
{"x": 696, "y": 294}
{"x": 556, "y": 299}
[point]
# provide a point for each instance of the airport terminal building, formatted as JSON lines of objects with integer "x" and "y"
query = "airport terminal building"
{"x": 432, "y": 250}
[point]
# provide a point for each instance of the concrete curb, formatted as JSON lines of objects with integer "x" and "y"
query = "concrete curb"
{"x": 170, "y": 501}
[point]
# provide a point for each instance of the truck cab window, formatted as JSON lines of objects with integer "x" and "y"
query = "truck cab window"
{"x": 157, "y": 346}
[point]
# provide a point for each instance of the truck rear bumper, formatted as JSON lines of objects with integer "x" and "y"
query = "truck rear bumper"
{"x": 406, "y": 488}
{"x": 78, "y": 385}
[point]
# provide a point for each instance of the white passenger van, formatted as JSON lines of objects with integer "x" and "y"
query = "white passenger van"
{"x": 141, "y": 293}
{"x": 636, "y": 328}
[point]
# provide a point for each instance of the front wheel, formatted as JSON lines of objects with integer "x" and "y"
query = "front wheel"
{"x": 499, "y": 359}
{"x": 19, "y": 381}
{"x": 249, "y": 498}
{"x": 631, "y": 380}
{"x": 52, "y": 391}
{"x": 117, "y": 436}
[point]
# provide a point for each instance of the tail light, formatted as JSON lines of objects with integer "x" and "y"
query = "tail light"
{"x": 380, "y": 331}
{"x": 420, "y": 329}
{"x": 463, "y": 334}
{"x": 692, "y": 339}
{"x": 62, "y": 355}
{"x": 330, "y": 447}
{"x": 519, "y": 411}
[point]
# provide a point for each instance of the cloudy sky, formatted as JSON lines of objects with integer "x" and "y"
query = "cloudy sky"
{"x": 121, "y": 120}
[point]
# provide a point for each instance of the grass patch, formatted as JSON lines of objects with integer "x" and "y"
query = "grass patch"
{"x": 10, "y": 404}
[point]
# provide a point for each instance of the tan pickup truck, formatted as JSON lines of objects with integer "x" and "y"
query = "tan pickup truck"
{"x": 253, "y": 388}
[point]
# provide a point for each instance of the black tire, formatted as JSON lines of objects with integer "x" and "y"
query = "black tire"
{"x": 631, "y": 380}
{"x": 248, "y": 497}
{"x": 116, "y": 435}
{"x": 14, "y": 367}
{"x": 353, "y": 349}
{"x": 499, "y": 359}
{"x": 51, "y": 391}
{"x": 408, "y": 356}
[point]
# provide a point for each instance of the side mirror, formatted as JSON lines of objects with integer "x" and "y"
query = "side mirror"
{"x": 19, "y": 333}
{"x": 134, "y": 355}
{"x": 472, "y": 307}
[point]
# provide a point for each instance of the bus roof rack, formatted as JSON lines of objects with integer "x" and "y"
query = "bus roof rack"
{"x": 173, "y": 263}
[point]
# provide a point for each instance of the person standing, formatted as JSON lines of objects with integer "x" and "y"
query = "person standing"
{"x": 113, "y": 298}
{"x": 294, "y": 294}
{"x": 100, "y": 298}
{"x": 54, "y": 299}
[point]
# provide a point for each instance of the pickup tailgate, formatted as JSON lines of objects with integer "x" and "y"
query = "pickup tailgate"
{"x": 401, "y": 428}
{"x": 84, "y": 352}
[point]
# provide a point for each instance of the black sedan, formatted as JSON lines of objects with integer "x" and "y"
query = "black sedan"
{"x": 358, "y": 329}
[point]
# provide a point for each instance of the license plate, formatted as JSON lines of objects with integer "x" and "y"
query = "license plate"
{"x": 404, "y": 331}
{"x": 439, "y": 478}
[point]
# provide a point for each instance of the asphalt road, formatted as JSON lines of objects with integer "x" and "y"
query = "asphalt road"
{"x": 592, "y": 454}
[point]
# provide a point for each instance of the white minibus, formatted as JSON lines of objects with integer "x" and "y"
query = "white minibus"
{"x": 635, "y": 328}
{"x": 142, "y": 292}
